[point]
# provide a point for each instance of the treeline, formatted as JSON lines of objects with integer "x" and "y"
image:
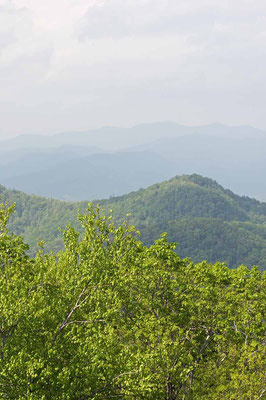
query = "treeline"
{"x": 108, "y": 317}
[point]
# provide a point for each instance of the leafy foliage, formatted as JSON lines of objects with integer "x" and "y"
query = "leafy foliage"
{"x": 108, "y": 317}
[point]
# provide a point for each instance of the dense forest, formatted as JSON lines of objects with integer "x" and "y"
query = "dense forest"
{"x": 109, "y": 318}
{"x": 207, "y": 221}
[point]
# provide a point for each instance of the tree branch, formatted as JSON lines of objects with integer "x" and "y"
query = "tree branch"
{"x": 65, "y": 322}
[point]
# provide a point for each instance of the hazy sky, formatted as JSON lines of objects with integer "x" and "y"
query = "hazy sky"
{"x": 77, "y": 64}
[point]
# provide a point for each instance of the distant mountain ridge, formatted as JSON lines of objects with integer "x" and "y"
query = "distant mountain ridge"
{"x": 65, "y": 166}
{"x": 117, "y": 138}
{"x": 69, "y": 177}
{"x": 208, "y": 221}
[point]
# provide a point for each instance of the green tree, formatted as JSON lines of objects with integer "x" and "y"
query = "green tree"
{"x": 108, "y": 317}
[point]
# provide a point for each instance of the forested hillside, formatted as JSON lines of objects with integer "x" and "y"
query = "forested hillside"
{"x": 207, "y": 221}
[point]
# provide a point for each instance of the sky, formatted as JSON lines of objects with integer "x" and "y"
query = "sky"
{"x": 79, "y": 64}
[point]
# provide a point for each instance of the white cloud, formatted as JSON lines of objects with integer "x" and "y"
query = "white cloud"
{"x": 67, "y": 64}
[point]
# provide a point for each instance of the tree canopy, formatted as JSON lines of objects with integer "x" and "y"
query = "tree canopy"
{"x": 109, "y": 318}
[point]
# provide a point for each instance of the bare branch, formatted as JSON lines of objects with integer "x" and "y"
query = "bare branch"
{"x": 85, "y": 322}
{"x": 262, "y": 393}
{"x": 65, "y": 322}
{"x": 108, "y": 384}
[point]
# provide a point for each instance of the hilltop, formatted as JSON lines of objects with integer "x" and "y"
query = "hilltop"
{"x": 206, "y": 220}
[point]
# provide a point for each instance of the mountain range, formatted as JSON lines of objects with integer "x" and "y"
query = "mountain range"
{"x": 113, "y": 161}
